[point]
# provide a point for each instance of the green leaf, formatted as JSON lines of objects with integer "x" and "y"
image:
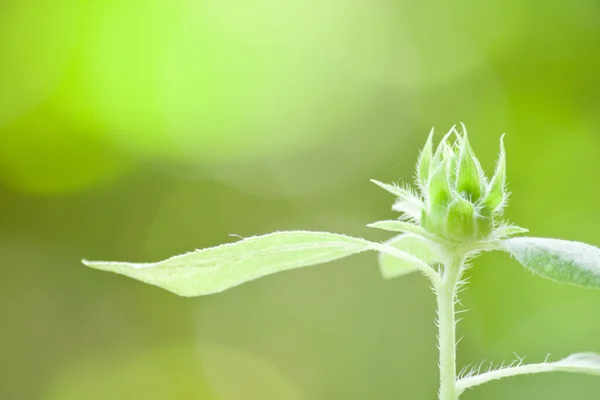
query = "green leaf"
{"x": 218, "y": 268}
{"x": 424, "y": 163}
{"x": 441, "y": 151}
{"x": 469, "y": 175}
{"x": 496, "y": 195}
{"x": 506, "y": 230}
{"x": 399, "y": 226}
{"x": 559, "y": 260}
{"x": 438, "y": 187}
{"x": 392, "y": 267}
{"x": 584, "y": 363}
{"x": 408, "y": 201}
{"x": 460, "y": 223}
{"x": 396, "y": 190}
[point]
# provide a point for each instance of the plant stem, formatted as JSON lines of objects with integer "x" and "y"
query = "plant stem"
{"x": 512, "y": 371}
{"x": 446, "y": 297}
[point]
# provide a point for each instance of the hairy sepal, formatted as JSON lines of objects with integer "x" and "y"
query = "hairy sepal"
{"x": 400, "y": 226}
{"x": 470, "y": 181}
{"x": 408, "y": 201}
{"x": 497, "y": 196}
{"x": 424, "y": 163}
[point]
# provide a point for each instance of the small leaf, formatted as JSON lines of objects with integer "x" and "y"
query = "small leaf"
{"x": 506, "y": 230}
{"x": 218, "y": 268}
{"x": 396, "y": 190}
{"x": 496, "y": 195}
{"x": 408, "y": 201}
{"x": 410, "y": 208}
{"x": 469, "y": 175}
{"x": 438, "y": 187}
{"x": 399, "y": 226}
{"x": 562, "y": 261}
{"x": 425, "y": 161}
{"x": 460, "y": 223}
{"x": 440, "y": 152}
{"x": 392, "y": 267}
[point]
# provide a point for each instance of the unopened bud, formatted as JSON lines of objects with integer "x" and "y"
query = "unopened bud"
{"x": 460, "y": 205}
{"x": 456, "y": 202}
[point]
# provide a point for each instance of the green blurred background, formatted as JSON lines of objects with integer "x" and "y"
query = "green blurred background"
{"x": 135, "y": 130}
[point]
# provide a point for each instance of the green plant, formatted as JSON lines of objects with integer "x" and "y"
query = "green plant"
{"x": 455, "y": 214}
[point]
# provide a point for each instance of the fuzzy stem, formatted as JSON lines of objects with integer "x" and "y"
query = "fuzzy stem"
{"x": 446, "y": 298}
{"x": 512, "y": 371}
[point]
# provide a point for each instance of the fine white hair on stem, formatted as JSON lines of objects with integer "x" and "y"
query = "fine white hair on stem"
{"x": 588, "y": 363}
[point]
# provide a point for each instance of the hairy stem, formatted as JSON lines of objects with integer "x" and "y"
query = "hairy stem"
{"x": 512, "y": 371}
{"x": 446, "y": 297}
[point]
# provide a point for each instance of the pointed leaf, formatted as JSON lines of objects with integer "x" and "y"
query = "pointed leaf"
{"x": 399, "y": 226}
{"x": 585, "y": 363}
{"x": 506, "y": 230}
{"x": 468, "y": 174}
{"x": 408, "y": 201}
{"x": 438, "y": 185}
{"x": 440, "y": 152}
{"x": 218, "y": 268}
{"x": 496, "y": 195}
{"x": 411, "y": 208}
{"x": 396, "y": 190}
{"x": 461, "y": 224}
{"x": 425, "y": 161}
{"x": 392, "y": 267}
{"x": 562, "y": 261}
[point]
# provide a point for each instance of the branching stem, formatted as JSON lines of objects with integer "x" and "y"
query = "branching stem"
{"x": 476, "y": 380}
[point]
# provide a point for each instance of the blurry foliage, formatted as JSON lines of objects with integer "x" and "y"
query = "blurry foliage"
{"x": 135, "y": 130}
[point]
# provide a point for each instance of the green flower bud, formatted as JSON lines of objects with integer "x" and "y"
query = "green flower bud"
{"x": 459, "y": 206}
{"x": 455, "y": 201}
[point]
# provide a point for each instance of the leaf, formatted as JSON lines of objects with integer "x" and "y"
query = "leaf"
{"x": 583, "y": 363}
{"x": 424, "y": 163}
{"x": 399, "y": 226}
{"x": 505, "y": 230}
{"x": 398, "y": 191}
{"x": 411, "y": 208}
{"x": 469, "y": 175}
{"x": 497, "y": 196}
{"x": 218, "y": 268}
{"x": 392, "y": 267}
{"x": 559, "y": 260}
{"x": 440, "y": 152}
{"x": 438, "y": 186}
